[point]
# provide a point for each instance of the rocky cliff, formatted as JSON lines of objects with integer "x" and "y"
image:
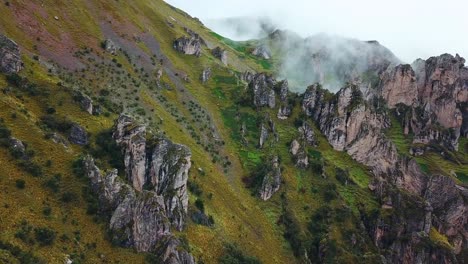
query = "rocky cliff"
{"x": 153, "y": 199}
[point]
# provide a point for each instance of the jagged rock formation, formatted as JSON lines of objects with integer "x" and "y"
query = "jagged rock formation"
{"x": 78, "y": 135}
{"x": 352, "y": 124}
{"x": 434, "y": 91}
{"x": 206, "y": 75}
{"x": 262, "y": 52}
{"x": 264, "y": 89}
{"x": 267, "y": 127}
{"x": 220, "y": 54}
{"x": 10, "y": 58}
{"x": 169, "y": 252}
{"x": 156, "y": 164}
{"x": 284, "y": 112}
{"x": 189, "y": 46}
{"x": 156, "y": 199}
{"x": 307, "y": 134}
{"x": 138, "y": 219}
{"x": 301, "y": 159}
{"x": 271, "y": 179}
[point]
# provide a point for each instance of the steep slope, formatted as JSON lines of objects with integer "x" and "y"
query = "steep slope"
{"x": 131, "y": 133}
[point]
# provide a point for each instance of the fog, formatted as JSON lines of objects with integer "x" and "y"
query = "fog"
{"x": 411, "y": 29}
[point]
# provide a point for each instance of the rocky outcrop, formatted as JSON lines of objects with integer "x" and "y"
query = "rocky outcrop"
{"x": 271, "y": 181}
{"x": 301, "y": 160}
{"x": 220, "y": 54}
{"x": 352, "y": 125}
{"x": 262, "y": 88}
{"x": 110, "y": 47}
{"x": 263, "y": 135}
{"x": 436, "y": 89}
{"x": 188, "y": 45}
{"x": 450, "y": 215}
{"x": 138, "y": 219}
{"x": 167, "y": 175}
{"x": 10, "y": 57}
{"x": 262, "y": 52}
{"x": 284, "y": 112}
{"x": 307, "y": 135}
{"x": 85, "y": 102}
{"x": 171, "y": 251}
{"x": 155, "y": 164}
{"x": 131, "y": 137}
{"x": 78, "y": 135}
{"x": 206, "y": 75}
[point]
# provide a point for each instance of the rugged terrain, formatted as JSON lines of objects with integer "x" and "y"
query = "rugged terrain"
{"x": 131, "y": 133}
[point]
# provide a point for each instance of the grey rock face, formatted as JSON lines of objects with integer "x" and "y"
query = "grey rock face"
{"x": 17, "y": 146}
{"x": 78, "y": 135}
{"x": 262, "y": 52}
{"x": 189, "y": 46}
{"x": 138, "y": 219}
{"x": 10, "y": 58}
{"x": 300, "y": 156}
{"x": 262, "y": 87}
{"x": 271, "y": 180}
{"x": 169, "y": 166}
{"x": 263, "y": 135}
{"x": 157, "y": 165}
{"x": 220, "y": 54}
{"x": 132, "y": 139}
{"x": 170, "y": 251}
{"x": 284, "y": 112}
{"x": 307, "y": 134}
{"x": 247, "y": 76}
{"x": 206, "y": 75}
{"x": 110, "y": 46}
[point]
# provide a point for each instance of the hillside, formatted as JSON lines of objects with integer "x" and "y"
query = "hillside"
{"x": 131, "y": 133}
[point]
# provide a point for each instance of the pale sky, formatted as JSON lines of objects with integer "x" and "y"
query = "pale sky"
{"x": 410, "y": 28}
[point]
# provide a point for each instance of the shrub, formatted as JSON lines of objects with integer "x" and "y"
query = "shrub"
{"x": 54, "y": 183}
{"x": 68, "y": 197}
{"x": 342, "y": 176}
{"x": 45, "y": 236}
{"x": 200, "y": 205}
{"x": 20, "y": 184}
{"x": 233, "y": 255}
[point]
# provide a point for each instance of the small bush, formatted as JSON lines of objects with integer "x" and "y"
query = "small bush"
{"x": 45, "y": 236}
{"x": 20, "y": 184}
{"x": 233, "y": 255}
{"x": 200, "y": 205}
{"x": 68, "y": 197}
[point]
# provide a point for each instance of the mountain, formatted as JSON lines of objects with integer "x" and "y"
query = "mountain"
{"x": 132, "y": 133}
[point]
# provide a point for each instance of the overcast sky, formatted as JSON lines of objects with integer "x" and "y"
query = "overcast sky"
{"x": 410, "y": 28}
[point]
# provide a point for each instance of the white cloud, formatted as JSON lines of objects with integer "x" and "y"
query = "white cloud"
{"x": 411, "y": 29}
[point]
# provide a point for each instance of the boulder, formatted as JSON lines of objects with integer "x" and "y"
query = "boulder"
{"x": 78, "y": 135}
{"x": 10, "y": 57}
{"x": 188, "y": 45}
{"x": 110, "y": 47}
{"x": 206, "y": 75}
{"x": 220, "y": 54}
{"x": 271, "y": 179}
{"x": 284, "y": 112}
